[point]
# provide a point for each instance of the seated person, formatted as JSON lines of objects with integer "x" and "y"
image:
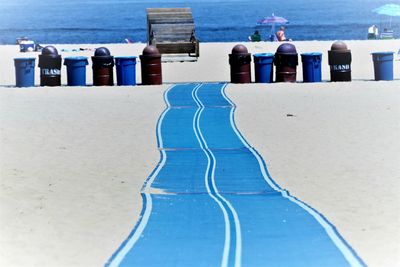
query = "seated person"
{"x": 273, "y": 38}
{"x": 255, "y": 37}
{"x": 281, "y": 35}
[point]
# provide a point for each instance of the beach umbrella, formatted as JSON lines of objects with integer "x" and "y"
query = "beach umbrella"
{"x": 272, "y": 20}
{"x": 391, "y": 10}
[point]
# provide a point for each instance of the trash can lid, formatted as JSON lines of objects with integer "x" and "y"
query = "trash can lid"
{"x": 239, "y": 49}
{"x": 150, "y": 50}
{"x": 78, "y": 58}
{"x": 76, "y": 61}
{"x": 101, "y": 52}
{"x": 50, "y": 51}
{"x": 24, "y": 58}
{"x": 286, "y": 48}
{"x": 263, "y": 55}
{"x": 382, "y": 53}
{"x": 125, "y": 57}
{"x": 339, "y": 46}
{"x": 312, "y": 54}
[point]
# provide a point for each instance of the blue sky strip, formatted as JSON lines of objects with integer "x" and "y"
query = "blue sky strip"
{"x": 211, "y": 201}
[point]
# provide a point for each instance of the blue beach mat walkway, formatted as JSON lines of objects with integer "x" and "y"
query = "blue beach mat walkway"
{"x": 211, "y": 202}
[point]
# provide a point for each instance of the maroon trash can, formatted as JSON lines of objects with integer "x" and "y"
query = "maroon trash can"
{"x": 150, "y": 61}
{"x": 339, "y": 59}
{"x": 103, "y": 67}
{"x": 240, "y": 60}
{"x": 286, "y": 61}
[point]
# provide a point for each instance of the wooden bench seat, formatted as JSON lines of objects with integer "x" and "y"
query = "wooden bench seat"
{"x": 172, "y": 31}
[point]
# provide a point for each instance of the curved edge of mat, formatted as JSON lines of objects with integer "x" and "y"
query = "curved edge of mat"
{"x": 348, "y": 252}
{"x": 117, "y": 257}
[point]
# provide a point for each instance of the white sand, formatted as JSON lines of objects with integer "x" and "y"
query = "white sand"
{"x": 73, "y": 160}
{"x": 72, "y": 165}
{"x": 340, "y": 153}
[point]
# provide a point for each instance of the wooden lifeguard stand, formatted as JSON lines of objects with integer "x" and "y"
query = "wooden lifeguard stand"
{"x": 172, "y": 31}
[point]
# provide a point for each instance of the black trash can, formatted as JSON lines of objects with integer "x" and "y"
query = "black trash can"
{"x": 240, "y": 60}
{"x": 286, "y": 61}
{"x": 50, "y": 67}
{"x": 150, "y": 61}
{"x": 103, "y": 67}
{"x": 339, "y": 59}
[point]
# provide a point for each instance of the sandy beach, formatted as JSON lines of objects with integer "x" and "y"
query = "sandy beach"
{"x": 73, "y": 160}
{"x": 212, "y": 65}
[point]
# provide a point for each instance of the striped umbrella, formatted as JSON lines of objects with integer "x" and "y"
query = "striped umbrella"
{"x": 272, "y": 20}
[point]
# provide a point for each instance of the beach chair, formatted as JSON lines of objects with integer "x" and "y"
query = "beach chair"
{"x": 387, "y": 35}
{"x": 172, "y": 31}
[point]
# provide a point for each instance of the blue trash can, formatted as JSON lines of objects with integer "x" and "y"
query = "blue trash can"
{"x": 312, "y": 71}
{"x": 383, "y": 65}
{"x": 263, "y": 67}
{"x": 24, "y": 72}
{"x": 76, "y": 70}
{"x": 126, "y": 70}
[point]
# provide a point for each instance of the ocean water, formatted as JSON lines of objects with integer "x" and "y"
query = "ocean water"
{"x": 111, "y": 21}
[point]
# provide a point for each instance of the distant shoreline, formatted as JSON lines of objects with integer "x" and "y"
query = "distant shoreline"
{"x": 210, "y": 42}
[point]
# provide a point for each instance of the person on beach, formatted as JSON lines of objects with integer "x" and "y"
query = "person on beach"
{"x": 373, "y": 32}
{"x": 280, "y": 35}
{"x": 255, "y": 37}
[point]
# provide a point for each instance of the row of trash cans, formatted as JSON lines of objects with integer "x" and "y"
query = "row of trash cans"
{"x": 286, "y": 61}
{"x": 50, "y": 63}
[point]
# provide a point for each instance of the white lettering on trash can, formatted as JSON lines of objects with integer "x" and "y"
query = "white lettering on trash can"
{"x": 340, "y": 67}
{"x": 51, "y": 72}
